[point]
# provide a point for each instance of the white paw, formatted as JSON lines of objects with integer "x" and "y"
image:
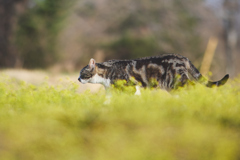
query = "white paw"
{"x": 176, "y": 96}
{"x": 138, "y": 92}
{"x": 107, "y": 100}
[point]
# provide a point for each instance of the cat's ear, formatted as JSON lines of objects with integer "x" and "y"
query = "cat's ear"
{"x": 92, "y": 63}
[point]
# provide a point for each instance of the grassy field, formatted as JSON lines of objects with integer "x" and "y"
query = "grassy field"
{"x": 41, "y": 122}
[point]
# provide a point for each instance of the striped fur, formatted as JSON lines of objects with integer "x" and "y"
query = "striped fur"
{"x": 169, "y": 71}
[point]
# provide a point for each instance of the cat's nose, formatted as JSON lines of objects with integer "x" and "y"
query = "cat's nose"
{"x": 79, "y": 79}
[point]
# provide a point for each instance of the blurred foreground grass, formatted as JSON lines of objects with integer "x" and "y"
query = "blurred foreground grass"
{"x": 45, "y": 122}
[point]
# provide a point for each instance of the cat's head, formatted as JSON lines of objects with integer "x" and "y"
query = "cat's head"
{"x": 88, "y": 72}
{"x": 94, "y": 73}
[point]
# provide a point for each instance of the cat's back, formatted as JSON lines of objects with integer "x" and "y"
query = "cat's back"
{"x": 155, "y": 59}
{"x": 162, "y": 62}
{"x": 162, "y": 58}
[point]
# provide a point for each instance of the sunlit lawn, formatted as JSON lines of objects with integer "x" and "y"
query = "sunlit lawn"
{"x": 46, "y": 122}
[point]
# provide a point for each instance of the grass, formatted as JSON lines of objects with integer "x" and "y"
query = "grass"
{"x": 46, "y": 122}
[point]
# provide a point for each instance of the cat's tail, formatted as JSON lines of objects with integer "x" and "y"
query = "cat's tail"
{"x": 218, "y": 83}
{"x": 198, "y": 76}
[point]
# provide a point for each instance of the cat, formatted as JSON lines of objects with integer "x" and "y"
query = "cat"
{"x": 167, "y": 71}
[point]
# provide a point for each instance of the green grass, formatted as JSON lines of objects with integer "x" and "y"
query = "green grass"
{"x": 45, "y": 122}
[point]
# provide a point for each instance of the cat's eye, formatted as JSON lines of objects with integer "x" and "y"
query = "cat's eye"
{"x": 86, "y": 76}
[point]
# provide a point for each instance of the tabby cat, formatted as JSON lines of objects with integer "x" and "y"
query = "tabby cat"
{"x": 168, "y": 70}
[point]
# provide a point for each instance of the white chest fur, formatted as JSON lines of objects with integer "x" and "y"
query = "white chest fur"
{"x": 100, "y": 80}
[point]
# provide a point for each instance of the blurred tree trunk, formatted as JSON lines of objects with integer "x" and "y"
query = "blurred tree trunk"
{"x": 8, "y": 21}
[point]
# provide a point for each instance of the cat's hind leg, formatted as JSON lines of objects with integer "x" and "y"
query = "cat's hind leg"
{"x": 184, "y": 79}
{"x": 181, "y": 80}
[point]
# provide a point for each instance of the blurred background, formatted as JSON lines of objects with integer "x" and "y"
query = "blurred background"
{"x": 63, "y": 35}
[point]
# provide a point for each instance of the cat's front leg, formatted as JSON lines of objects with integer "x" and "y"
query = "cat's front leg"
{"x": 108, "y": 96}
{"x": 138, "y": 92}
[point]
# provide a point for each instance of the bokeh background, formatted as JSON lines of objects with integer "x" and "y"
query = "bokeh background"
{"x": 63, "y": 35}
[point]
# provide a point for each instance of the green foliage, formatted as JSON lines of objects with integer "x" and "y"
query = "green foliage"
{"x": 184, "y": 34}
{"x": 153, "y": 27}
{"x": 140, "y": 28}
{"x": 124, "y": 86}
{"x": 129, "y": 46}
{"x": 46, "y": 122}
{"x": 119, "y": 29}
{"x": 38, "y": 31}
